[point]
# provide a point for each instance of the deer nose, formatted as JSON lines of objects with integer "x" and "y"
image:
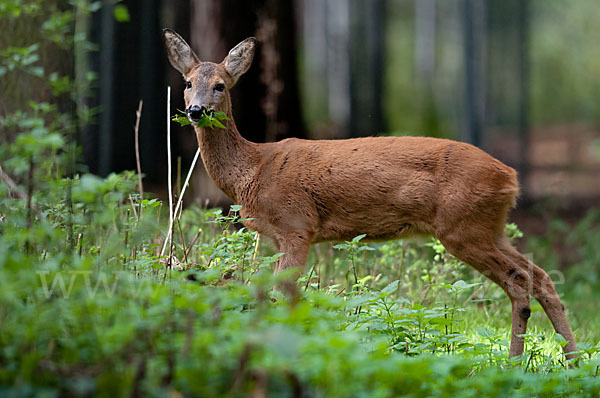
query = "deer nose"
{"x": 195, "y": 112}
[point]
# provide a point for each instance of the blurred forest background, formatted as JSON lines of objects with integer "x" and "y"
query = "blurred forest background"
{"x": 92, "y": 302}
{"x": 521, "y": 79}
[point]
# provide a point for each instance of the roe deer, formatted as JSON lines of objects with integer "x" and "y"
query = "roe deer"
{"x": 299, "y": 192}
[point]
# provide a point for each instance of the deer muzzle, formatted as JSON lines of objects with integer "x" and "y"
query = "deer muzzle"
{"x": 195, "y": 112}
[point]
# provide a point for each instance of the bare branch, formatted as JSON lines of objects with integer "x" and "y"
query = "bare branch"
{"x": 138, "y": 115}
{"x": 12, "y": 186}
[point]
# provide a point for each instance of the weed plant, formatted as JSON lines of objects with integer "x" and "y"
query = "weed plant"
{"x": 107, "y": 314}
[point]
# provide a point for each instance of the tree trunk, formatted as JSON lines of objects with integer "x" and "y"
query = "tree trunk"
{"x": 266, "y": 100}
{"x": 474, "y": 55}
{"x": 344, "y": 49}
{"x": 366, "y": 67}
{"x": 266, "y": 103}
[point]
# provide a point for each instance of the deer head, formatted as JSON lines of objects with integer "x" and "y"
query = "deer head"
{"x": 207, "y": 84}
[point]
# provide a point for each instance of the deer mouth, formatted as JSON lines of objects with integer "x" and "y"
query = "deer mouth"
{"x": 196, "y": 113}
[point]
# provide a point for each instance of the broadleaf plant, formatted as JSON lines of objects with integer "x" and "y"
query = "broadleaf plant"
{"x": 210, "y": 119}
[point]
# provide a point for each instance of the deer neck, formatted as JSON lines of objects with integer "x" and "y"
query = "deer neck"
{"x": 230, "y": 160}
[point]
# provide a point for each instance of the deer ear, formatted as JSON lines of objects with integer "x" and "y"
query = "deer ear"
{"x": 240, "y": 58}
{"x": 181, "y": 56}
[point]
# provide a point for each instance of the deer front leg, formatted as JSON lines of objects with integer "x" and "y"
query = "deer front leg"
{"x": 295, "y": 248}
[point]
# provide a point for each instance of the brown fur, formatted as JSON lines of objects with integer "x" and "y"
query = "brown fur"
{"x": 300, "y": 192}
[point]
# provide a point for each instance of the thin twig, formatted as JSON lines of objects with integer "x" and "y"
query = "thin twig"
{"x": 178, "y": 180}
{"x": 256, "y": 248}
{"x": 528, "y": 362}
{"x": 138, "y": 115}
{"x": 169, "y": 172}
{"x": 29, "y": 193}
{"x": 133, "y": 207}
{"x": 239, "y": 373}
{"x": 80, "y": 243}
{"x": 14, "y": 188}
{"x": 309, "y": 276}
{"x": 318, "y": 276}
{"x": 182, "y": 241}
{"x": 442, "y": 272}
{"x": 193, "y": 242}
{"x": 180, "y": 201}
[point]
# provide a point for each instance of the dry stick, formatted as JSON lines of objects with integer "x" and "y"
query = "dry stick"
{"x": 133, "y": 207}
{"x": 256, "y": 248}
{"x": 79, "y": 243}
{"x": 138, "y": 115}
{"x": 179, "y": 202}
{"x": 14, "y": 188}
{"x": 170, "y": 182}
{"x": 29, "y": 194}
{"x": 178, "y": 180}
{"x": 172, "y": 213}
{"x": 319, "y": 276}
{"x": 193, "y": 241}
{"x": 309, "y": 276}
{"x": 182, "y": 241}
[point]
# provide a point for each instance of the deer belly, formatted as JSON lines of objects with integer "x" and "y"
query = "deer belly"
{"x": 379, "y": 221}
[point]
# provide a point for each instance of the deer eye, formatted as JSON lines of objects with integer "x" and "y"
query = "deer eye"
{"x": 188, "y": 85}
{"x": 219, "y": 87}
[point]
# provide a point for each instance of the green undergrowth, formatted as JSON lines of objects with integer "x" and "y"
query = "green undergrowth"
{"x": 88, "y": 306}
{"x": 94, "y": 301}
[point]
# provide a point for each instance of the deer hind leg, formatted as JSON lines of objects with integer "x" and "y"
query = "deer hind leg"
{"x": 542, "y": 289}
{"x": 489, "y": 260}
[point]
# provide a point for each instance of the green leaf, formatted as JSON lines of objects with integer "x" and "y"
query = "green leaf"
{"x": 558, "y": 338}
{"x": 391, "y": 288}
{"x": 36, "y": 71}
{"x": 485, "y": 332}
{"x": 204, "y": 122}
{"x": 221, "y": 116}
{"x": 95, "y": 6}
{"x": 217, "y": 123}
{"x": 365, "y": 248}
{"x": 461, "y": 285}
{"x": 359, "y": 300}
{"x": 584, "y": 346}
{"x": 121, "y": 13}
{"x": 182, "y": 120}
{"x": 210, "y": 119}
{"x": 358, "y": 238}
